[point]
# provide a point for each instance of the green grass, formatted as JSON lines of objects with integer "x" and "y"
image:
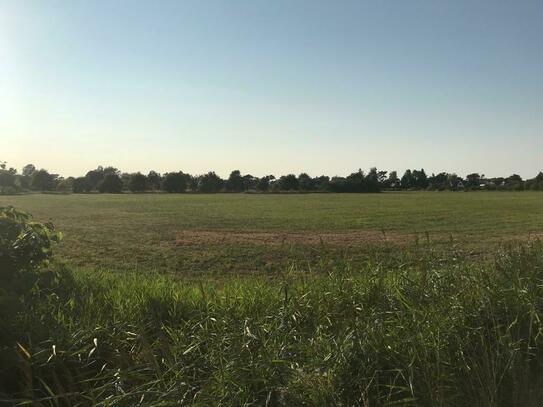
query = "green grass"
{"x": 434, "y": 309}
{"x": 425, "y": 331}
{"x": 138, "y": 232}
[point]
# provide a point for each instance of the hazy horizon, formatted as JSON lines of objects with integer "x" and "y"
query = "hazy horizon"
{"x": 272, "y": 87}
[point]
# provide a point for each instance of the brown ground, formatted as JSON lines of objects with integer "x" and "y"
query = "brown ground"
{"x": 206, "y": 237}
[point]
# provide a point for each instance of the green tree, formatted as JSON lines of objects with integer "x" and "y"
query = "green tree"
{"x": 7, "y": 176}
{"x": 473, "y": 181}
{"x": 420, "y": 179}
{"x": 234, "y": 183}
{"x": 393, "y": 180}
{"x": 288, "y": 182}
{"x": 263, "y": 183}
{"x": 111, "y": 184}
{"x": 42, "y": 180}
{"x": 26, "y": 175}
{"x": 137, "y": 182}
{"x": 175, "y": 182}
{"x": 407, "y": 180}
{"x": 249, "y": 182}
{"x": 80, "y": 185}
{"x": 95, "y": 177}
{"x": 154, "y": 179}
{"x": 305, "y": 182}
{"x": 210, "y": 183}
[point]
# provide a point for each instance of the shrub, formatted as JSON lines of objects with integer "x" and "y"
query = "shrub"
{"x": 25, "y": 248}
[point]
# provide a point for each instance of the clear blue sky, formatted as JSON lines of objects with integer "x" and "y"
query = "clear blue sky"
{"x": 272, "y": 86}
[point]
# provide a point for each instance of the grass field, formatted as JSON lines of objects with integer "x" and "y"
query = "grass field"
{"x": 417, "y": 301}
{"x": 239, "y": 233}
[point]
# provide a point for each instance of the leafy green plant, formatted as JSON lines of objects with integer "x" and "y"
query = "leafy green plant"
{"x": 25, "y": 250}
{"x": 25, "y": 247}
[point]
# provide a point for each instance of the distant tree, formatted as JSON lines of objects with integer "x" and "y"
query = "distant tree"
{"x": 473, "y": 181}
{"x": 305, "y": 182}
{"x": 535, "y": 184}
{"x": 407, "y": 180}
{"x": 95, "y": 177}
{"x": 382, "y": 178}
{"x": 515, "y": 178}
{"x": 371, "y": 181}
{"x": 210, "y": 183}
{"x": 263, "y": 183}
{"x": 26, "y": 176}
{"x": 355, "y": 182}
{"x": 249, "y": 182}
{"x": 42, "y": 180}
{"x": 80, "y": 185}
{"x": 393, "y": 180}
{"x": 455, "y": 182}
{"x": 420, "y": 179}
{"x": 65, "y": 184}
{"x": 192, "y": 182}
{"x": 154, "y": 179}
{"x": 288, "y": 182}
{"x": 440, "y": 181}
{"x": 321, "y": 182}
{"x": 28, "y": 170}
{"x": 111, "y": 183}
{"x": 125, "y": 179}
{"x": 7, "y": 176}
{"x": 234, "y": 183}
{"x": 175, "y": 182}
{"x": 137, "y": 182}
{"x": 514, "y": 183}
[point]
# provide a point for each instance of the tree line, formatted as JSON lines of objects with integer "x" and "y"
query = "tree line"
{"x": 112, "y": 180}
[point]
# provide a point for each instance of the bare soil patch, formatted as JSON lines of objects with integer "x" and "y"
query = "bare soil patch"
{"x": 214, "y": 237}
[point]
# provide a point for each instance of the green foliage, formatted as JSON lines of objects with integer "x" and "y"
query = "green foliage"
{"x": 80, "y": 185}
{"x": 234, "y": 183}
{"x": 175, "y": 182}
{"x": 210, "y": 183}
{"x": 42, "y": 180}
{"x": 305, "y": 182}
{"x": 111, "y": 184}
{"x": 263, "y": 183}
{"x": 137, "y": 182}
{"x": 288, "y": 182}
{"x": 25, "y": 248}
{"x": 154, "y": 179}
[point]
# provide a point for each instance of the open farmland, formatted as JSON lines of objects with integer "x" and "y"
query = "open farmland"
{"x": 419, "y": 299}
{"x": 239, "y": 233}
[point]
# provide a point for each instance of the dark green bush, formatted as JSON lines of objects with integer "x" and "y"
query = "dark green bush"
{"x": 25, "y": 249}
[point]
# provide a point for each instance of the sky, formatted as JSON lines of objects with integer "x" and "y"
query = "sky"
{"x": 272, "y": 87}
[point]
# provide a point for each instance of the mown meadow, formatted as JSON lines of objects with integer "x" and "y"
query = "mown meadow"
{"x": 218, "y": 234}
{"x": 413, "y": 299}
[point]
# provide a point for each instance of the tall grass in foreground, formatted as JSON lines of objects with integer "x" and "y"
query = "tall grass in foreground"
{"x": 427, "y": 331}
